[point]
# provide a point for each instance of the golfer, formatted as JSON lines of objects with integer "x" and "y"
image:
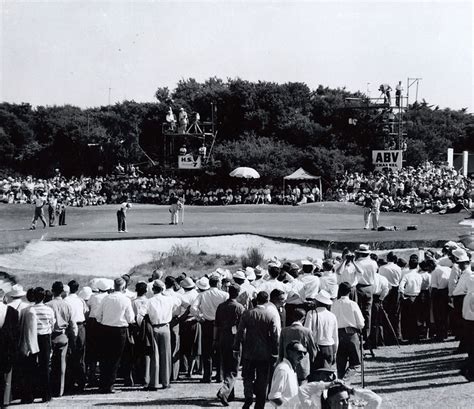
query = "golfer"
{"x": 40, "y": 202}
{"x": 122, "y": 217}
{"x": 175, "y": 206}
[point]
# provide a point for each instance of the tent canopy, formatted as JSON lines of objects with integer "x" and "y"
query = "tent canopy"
{"x": 301, "y": 174}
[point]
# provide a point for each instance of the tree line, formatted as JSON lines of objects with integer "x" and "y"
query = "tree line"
{"x": 272, "y": 127}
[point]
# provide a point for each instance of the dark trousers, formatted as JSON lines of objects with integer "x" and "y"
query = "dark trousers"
{"x": 207, "y": 328}
{"x": 121, "y": 221}
{"x": 52, "y": 216}
{"x": 113, "y": 343}
{"x": 126, "y": 363}
{"x": 93, "y": 342}
{"x": 391, "y": 304}
{"x": 376, "y": 337}
{"x": 439, "y": 302}
{"x": 5, "y": 388}
{"x": 229, "y": 366}
{"x": 325, "y": 357}
{"x": 364, "y": 299}
{"x": 409, "y": 318}
{"x": 255, "y": 374}
{"x": 175, "y": 347}
{"x": 469, "y": 334}
{"x": 37, "y": 371}
{"x": 62, "y": 217}
{"x": 423, "y": 313}
{"x": 458, "y": 321}
{"x": 76, "y": 372}
{"x": 59, "y": 343}
{"x": 348, "y": 350}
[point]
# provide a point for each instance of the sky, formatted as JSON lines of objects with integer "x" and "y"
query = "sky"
{"x": 90, "y": 53}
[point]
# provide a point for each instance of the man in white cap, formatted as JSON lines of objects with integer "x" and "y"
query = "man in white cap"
{"x": 311, "y": 283}
{"x": 204, "y": 309}
{"x": 366, "y": 269}
{"x": 93, "y": 328}
{"x": 115, "y": 314}
{"x": 17, "y": 297}
{"x": 247, "y": 291}
{"x": 323, "y": 325}
{"x": 160, "y": 310}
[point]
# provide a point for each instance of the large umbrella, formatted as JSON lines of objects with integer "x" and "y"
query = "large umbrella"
{"x": 243, "y": 172}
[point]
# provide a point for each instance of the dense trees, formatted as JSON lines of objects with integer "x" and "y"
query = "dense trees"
{"x": 272, "y": 127}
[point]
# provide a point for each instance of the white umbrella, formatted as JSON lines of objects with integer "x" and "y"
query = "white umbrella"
{"x": 243, "y": 172}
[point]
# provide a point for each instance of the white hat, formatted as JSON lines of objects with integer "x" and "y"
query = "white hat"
{"x": 104, "y": 284}
{"x": 85, "y": 293}
{"x": 16, "y": 291}
{"x": 460, "y": 256}
{"x": 250, "y": 273}
{"x": 318, "y": 263}
{"x": 203, "y": 283}
{"x": 224, "y": 273}
{"x": 274, "y": 262}
{"x": 451, "y": 245}
{"x": 188, "y": 283}
{"x": 239, "y": 274}
{"x": 324, "y": 297}
{"x": 66, "y": 289}
{"x": 363, "y": 249}
{"x": 258, "y": 271}
{"x": 159, "y": 283}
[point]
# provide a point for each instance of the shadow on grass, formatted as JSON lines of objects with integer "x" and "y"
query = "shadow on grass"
{"x": 415, "y": 388}
{"x": 176, "y": 402}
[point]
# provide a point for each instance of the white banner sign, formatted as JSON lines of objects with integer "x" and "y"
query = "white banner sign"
{"x": 387, "y": 159}
{"x": 189, "y": 162}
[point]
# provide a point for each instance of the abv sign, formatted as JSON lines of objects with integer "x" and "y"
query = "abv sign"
{"x": 387, "y": 159}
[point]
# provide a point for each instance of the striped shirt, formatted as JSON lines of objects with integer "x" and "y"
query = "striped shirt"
{"x": 44, "y": 318}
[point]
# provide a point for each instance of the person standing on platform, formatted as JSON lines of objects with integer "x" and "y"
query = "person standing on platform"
{"x": 228, "y": 315}
{"x": 204, "y": 309}
{"x": 122, "y": 217}
{"x": 398, "y": 94}
{"x": 257, "y": 335}
{"x": 115, "y": 314}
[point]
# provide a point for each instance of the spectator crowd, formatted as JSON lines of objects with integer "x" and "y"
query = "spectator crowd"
{"x": 296, "y": 331}
{"x": 426, "y": 189}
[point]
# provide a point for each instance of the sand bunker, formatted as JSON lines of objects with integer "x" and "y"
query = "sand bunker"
{"x": 115, "y": 257}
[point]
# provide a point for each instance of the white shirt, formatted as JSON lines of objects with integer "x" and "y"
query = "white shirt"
{"x": 348, "y": 275}
{"x": 116, "y": 311}
{"x": 440, "y": 277}
{"x": 392, "y": 273}
{"x": 3, "y": 314}
{"x": 311, "y": 286}
{"x": 369, "y": 268}
{"x": 272, "y": 284}
{"x": 323, "y": 325}
{"x": 454, "y": 277}
{"x": 328, "y": 283}
{"x": 160, "y": 308}
{"x": 187, "y": 298}
{"x": 284, "y": 383}
{"x": 139, "y": 306}
{"x": 381, "y": 286}
{"x": 94, "y": 304}
{"x": 347, "y": 313}
{"x": 464, "y": 284}
{"x": 171, "y": 293}
{"x": 78, "y": 307}
{"x": 411, "y": 283}
{"x": 206, "y": 303}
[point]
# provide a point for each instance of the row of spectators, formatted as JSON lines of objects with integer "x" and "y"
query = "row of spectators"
{"x": 426, "y": 189}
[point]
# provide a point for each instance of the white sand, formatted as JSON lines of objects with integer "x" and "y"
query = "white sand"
{"x": 115, "y": 257}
